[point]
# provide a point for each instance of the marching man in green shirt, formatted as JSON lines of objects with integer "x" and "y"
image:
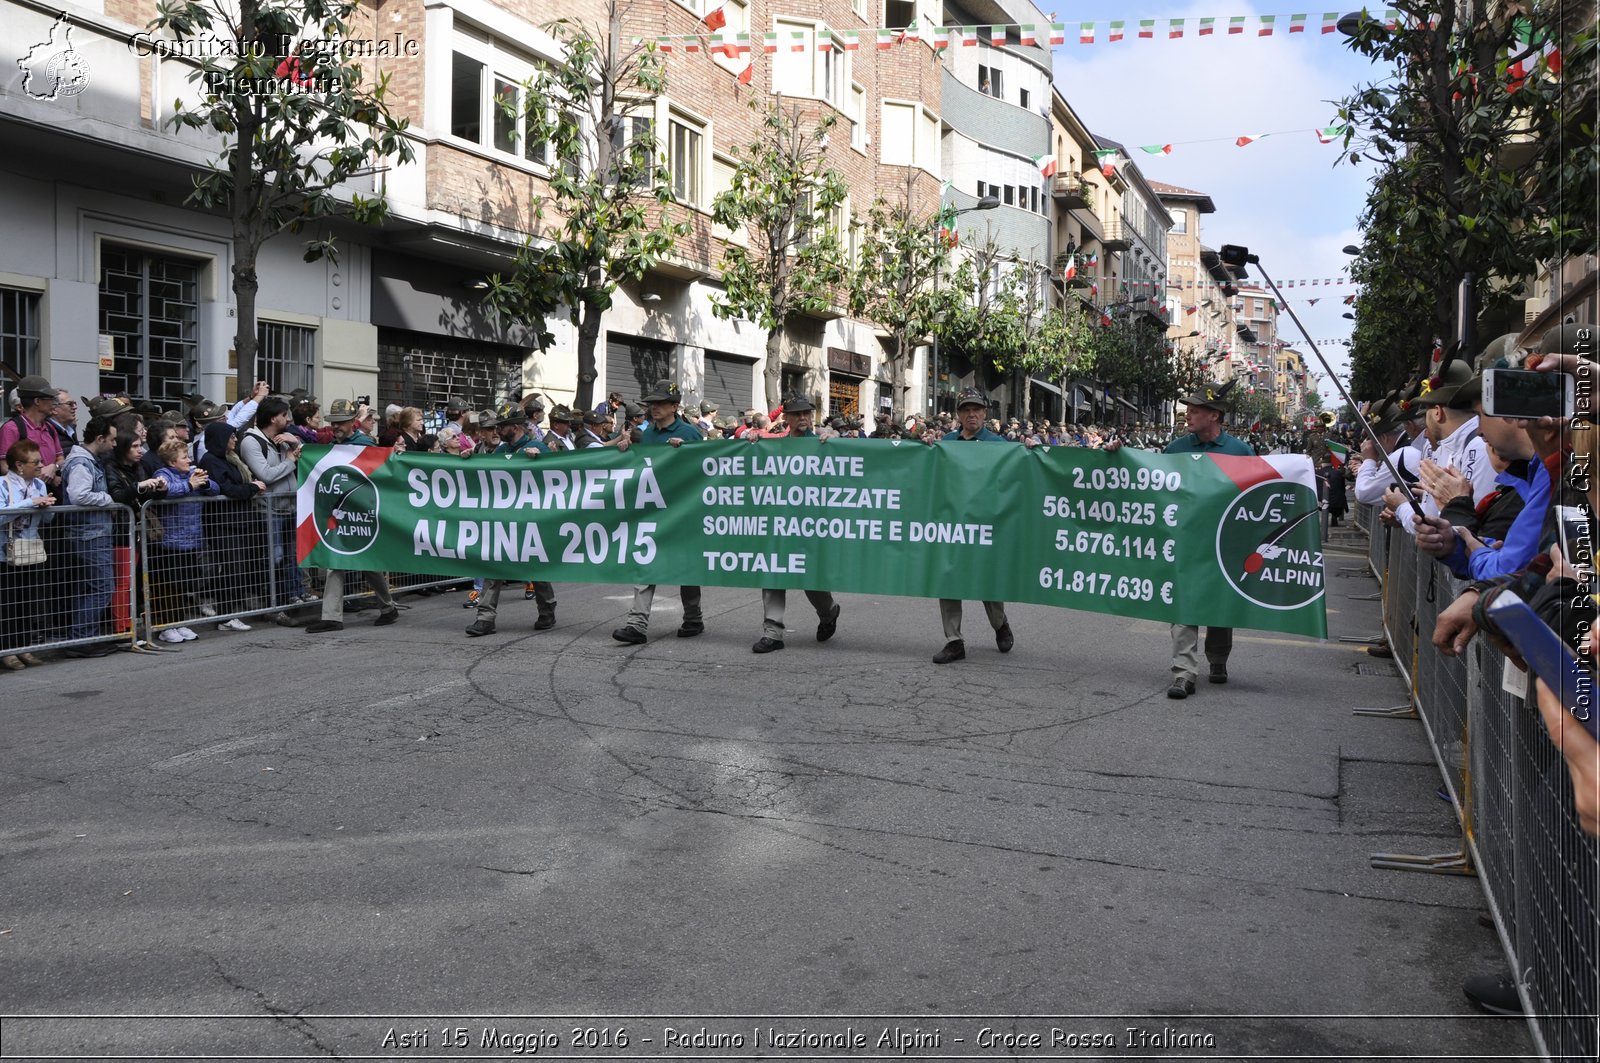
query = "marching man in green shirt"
{"x": 515, "y": 442}
{"x": 971, "y": 409}
{"x": 797, "y": 414}
{"x": 663, "y": 427}
{"x": 1203, "y": 413}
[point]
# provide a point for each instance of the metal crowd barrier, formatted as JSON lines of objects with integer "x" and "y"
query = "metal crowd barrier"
{"x": 1539, "y": 872}
{"x": 193, "y": 562}
{"x": 80, "y": 595}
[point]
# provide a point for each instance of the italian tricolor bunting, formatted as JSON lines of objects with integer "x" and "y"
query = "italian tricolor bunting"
{"x": 1338, "y": 453}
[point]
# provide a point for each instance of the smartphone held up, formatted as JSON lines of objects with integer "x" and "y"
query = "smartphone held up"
{"x": 1521, "y": 394}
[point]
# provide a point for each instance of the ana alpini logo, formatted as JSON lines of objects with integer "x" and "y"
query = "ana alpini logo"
{"x": 345, "y": 510}
{"x": 1253, "y": 548}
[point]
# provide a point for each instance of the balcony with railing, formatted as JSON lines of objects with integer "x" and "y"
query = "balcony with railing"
{"x": 1073, "y": 192}
{"x": 1119, "y": 236}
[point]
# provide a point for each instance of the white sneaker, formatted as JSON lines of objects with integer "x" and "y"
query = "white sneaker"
{"x": 188, "y": 635}
{"x": 234, "y": 625}
{"x": 171, "y": 634}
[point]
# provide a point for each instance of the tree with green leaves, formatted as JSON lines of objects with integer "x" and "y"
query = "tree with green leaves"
{"x": 1253, "y": 405}
{"x": 983, "y": 307}
{"x": 895, "y": 284}
{"x": 1486, "y": 145}
{"x": 785, "y": 198}
{"x": 609, "y": 191}
{"x": 300, "y": 121}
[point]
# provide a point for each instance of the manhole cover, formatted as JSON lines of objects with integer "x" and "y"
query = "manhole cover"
{"x": 1388, "y": 671}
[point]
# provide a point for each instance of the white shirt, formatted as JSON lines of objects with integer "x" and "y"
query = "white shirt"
{"x": 1373, "y": 479}
{"x": 1466, "y": 452}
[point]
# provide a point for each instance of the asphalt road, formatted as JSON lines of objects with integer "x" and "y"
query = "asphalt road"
{"x": 339, "y": 841}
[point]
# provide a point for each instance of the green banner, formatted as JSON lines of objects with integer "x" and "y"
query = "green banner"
{"x": 1186, "y": 538}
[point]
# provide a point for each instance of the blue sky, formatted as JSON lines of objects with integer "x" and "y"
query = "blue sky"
{"x": 1282, "y": 196}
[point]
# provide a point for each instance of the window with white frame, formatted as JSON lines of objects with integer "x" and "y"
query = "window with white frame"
{"x": 488, "y": 101}
{"x": 910, "y": 135}
{"x": 686, "y": 158}
{"x": 792, "y": 63}
{"x": 811, "y": 62}
{"x": 1180, "y": 220}
{"x": 736, "y": 14}
{"x": 833, "y": 72}
{"x": 637, "y": 127}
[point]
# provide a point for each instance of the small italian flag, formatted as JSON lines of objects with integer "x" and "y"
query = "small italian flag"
{"x": 1208, "y": 26}
{"x": 1267, "y": 22}
{"x": 1086, "y": 33}
{"x": 1338, "y": 453}
{"x": 1115, "y": 33}
{"x": 1072, "y": 268}
{"x": 969, "y": 36}
{"x": 1058, "y": 33}
{"x": 1328, "y": 134}
{"x": 1046, "y": 164}
{"x": 1297, "y": 23}
{"x": 1156, "y": 149}
{"x": 1248, "y": 138}
{"x": 852, "y": 40}
{"x": 769, "y": 43}
{"x": 1147, "y": 28}
{"x": 1030, "y": 35}
{"x": 1108, "y": 161}
{"x": 1236, "y": 24}
{"x": 997, "y": 35}
{"x": 1174, "y": 29}
{"x": 1330, "y": 21}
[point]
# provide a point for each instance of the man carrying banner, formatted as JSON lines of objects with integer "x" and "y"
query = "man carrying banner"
{"x": 1203, "y": 413}
{"x": 797, "y": 414}
{"x": 971, "y": 409}
{"x": 663, "y": 427}
{"x": 515, "y": 442}
{"x": 350, "y": 421}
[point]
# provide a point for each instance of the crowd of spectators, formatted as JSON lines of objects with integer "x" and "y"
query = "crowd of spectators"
{"x": 1491, "y": 499}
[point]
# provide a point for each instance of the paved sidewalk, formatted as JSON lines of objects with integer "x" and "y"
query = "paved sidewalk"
{"x": 402, "y": 821}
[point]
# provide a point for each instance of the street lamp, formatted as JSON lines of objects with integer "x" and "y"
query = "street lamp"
{"x": 988, "y": 202}
{"x": 1351, "y": 249}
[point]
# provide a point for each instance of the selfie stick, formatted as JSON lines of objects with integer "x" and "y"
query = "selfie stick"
{"x": 1396, "y": 478}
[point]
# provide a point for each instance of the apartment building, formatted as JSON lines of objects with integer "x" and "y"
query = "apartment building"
{"x": 1199, "y": 318}
{"x": 996, "y": 123}
{"x": 1086, "y": 201}
{"x": 114, "y": 283}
